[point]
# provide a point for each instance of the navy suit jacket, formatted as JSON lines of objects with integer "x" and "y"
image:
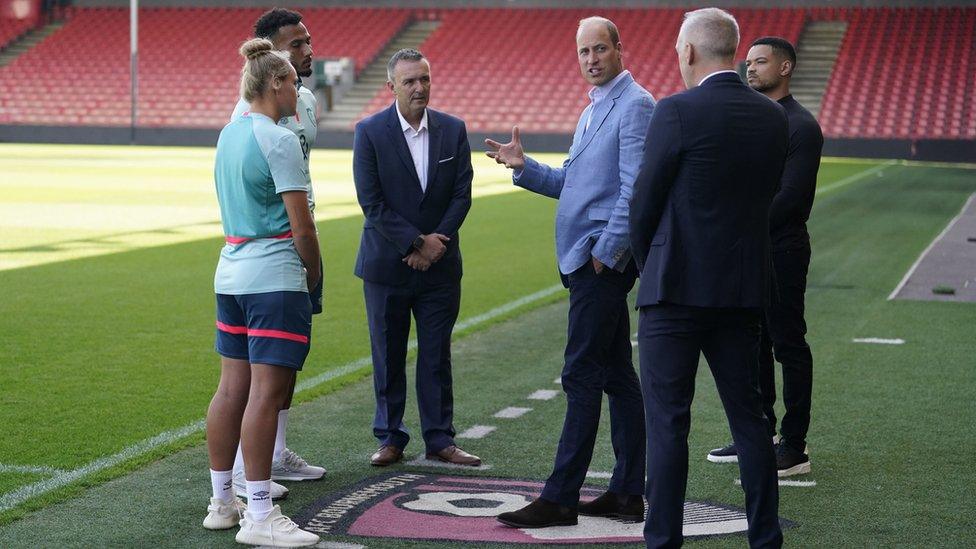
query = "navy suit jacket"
{"x": 699, "y": 217}
{"x": 396, "y": 208}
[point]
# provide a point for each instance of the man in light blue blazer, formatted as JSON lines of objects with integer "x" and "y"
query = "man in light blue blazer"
{"x": 593, "y": 249}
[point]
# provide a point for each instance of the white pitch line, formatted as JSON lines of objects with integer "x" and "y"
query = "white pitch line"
{"x": 32, "y": 469}
{"x": 422, "y": 461}
{"x": 598, "y": 474}
{"x": 477, "y": 431}
{"x": 543, "y": 394}
{"x": 928, "y": 249}
{"x": 879, "y": 340}
{"x": 788, "y": 482}
{"x": 854, "y": 178}
{"x": 63, "y": 478}
{"x": 512, "y": 412}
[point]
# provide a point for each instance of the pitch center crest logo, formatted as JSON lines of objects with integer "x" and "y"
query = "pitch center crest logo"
{"x": 450, "y": 508}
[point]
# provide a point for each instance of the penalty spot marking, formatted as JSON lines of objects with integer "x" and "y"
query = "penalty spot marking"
{"x": 543, "y": 394}
{"x": 879, "y": 341}
{"x": 558, "y": 381}
{"x": 477, "y": 431}
{"x": 788, "y": 482}
{"x": 598, "y": 474}
{"x": 512, "y": 412}
{"x": 61, "y": 479}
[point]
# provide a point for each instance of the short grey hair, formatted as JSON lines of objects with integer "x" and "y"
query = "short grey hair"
{"x": 406, "y": 54}
{"x": 713, "y": 32}
{"x": 611, "y": 28}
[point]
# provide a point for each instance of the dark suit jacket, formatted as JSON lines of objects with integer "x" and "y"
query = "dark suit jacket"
{"x": 699, "y": 217}
{"x": 397, "y": 210}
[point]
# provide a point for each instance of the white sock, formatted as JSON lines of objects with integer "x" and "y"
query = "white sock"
{"x": 239, "y": 461}
{"x": 280, "y": 434}
{"x": 259, "y": 499}
{"x": 223, "y": 486}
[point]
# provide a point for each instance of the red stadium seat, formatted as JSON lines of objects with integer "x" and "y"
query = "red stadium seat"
{"x": 492, "y": 66}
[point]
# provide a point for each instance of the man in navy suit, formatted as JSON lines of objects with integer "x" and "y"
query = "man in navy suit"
{"x": 699, "y": 226}
{"x": 593, "y": 250}
{"x": 412, "y": 167}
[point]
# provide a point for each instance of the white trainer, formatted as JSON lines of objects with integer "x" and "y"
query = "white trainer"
{"x": 276, "y": 530}
{"x": 222, "y": 515}
{"x": 240, "y": 487}
{"x": 292, "y": 467}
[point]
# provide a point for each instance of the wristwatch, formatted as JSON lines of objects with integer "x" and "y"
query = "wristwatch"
{"x": 418, "y": 242}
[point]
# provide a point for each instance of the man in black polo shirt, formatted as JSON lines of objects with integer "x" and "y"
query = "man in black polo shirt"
{"x": 770, "y": 64}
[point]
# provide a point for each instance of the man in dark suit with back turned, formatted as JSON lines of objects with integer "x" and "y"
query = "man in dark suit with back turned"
{"x": 699, "y": 228}
{"x": 412, "y": 167}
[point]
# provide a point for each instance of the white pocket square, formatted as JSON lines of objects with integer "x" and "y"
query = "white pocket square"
{"x": 445, "y": 160}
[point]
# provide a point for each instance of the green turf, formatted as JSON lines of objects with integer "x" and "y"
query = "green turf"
{"x": 12, "y": 480}
{"x": 117, "y": 348}
{"x": 113, "y": 349}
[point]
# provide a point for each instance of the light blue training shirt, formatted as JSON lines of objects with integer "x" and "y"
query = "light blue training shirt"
{"x": 257, "y": 160}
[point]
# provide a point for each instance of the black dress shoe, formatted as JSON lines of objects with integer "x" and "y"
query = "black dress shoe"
{"x": 624, "y": 507}
{"x": 539, "y": 514}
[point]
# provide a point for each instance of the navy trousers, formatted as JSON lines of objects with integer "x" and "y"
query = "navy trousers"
{"x": 598, "y": 360}
{"x": 672, "y": 337}
{"x": 784, "y": 335}
{"x": 435, "y": 308}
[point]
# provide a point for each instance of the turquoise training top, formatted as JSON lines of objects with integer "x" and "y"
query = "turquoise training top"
{"x": 256, "y": 161}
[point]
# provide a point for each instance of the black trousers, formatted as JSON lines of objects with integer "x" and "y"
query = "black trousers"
{"x": 672, "y": 337}
{"x": 784, "y": 338}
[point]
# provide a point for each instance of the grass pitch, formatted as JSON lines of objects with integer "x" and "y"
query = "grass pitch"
{"x": 108, "y": 342}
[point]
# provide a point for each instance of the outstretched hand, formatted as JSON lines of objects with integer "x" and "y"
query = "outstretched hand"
{"x": 510, "y": 154}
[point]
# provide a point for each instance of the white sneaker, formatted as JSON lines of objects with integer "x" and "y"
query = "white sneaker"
{"x": 240, "y": 487}
{"x": 222, "y": 515}
{"x": 275, "y": 530}
{"x": 292, "y": 467}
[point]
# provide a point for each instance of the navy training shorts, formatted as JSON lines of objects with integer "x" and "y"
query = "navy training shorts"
{"x": 270, "y": 328}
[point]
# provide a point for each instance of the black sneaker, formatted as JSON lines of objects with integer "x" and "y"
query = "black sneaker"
{"x": 791, "y": 462}
{"x": 726, "y": 454}
{"x": 539, "y": 514}
{"x": 628, "y": 508}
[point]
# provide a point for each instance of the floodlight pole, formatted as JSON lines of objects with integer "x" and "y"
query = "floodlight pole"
{"x": 134, "y": 65}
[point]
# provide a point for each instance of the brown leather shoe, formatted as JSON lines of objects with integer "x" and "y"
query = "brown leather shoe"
{"x": 386, "y": 455}
{"x": 457, "y": 456}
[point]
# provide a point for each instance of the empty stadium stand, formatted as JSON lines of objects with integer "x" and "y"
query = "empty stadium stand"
{"x": 899, "y": 73}
{"x": 498, "y": 67}
{"x": 11, "y": 29}
{"x": 188, "y": 64}
{"x": 903, "y": 73}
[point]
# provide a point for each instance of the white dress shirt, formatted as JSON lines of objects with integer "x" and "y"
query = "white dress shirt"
{"x": 599, "y": 93}
{"x": 419, "y": 143}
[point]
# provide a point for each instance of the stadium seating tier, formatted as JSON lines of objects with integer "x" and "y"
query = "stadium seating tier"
{"x": 493, "y": 67}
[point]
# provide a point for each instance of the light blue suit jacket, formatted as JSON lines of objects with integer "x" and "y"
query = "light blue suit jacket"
{"x": 595, "y": 183}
